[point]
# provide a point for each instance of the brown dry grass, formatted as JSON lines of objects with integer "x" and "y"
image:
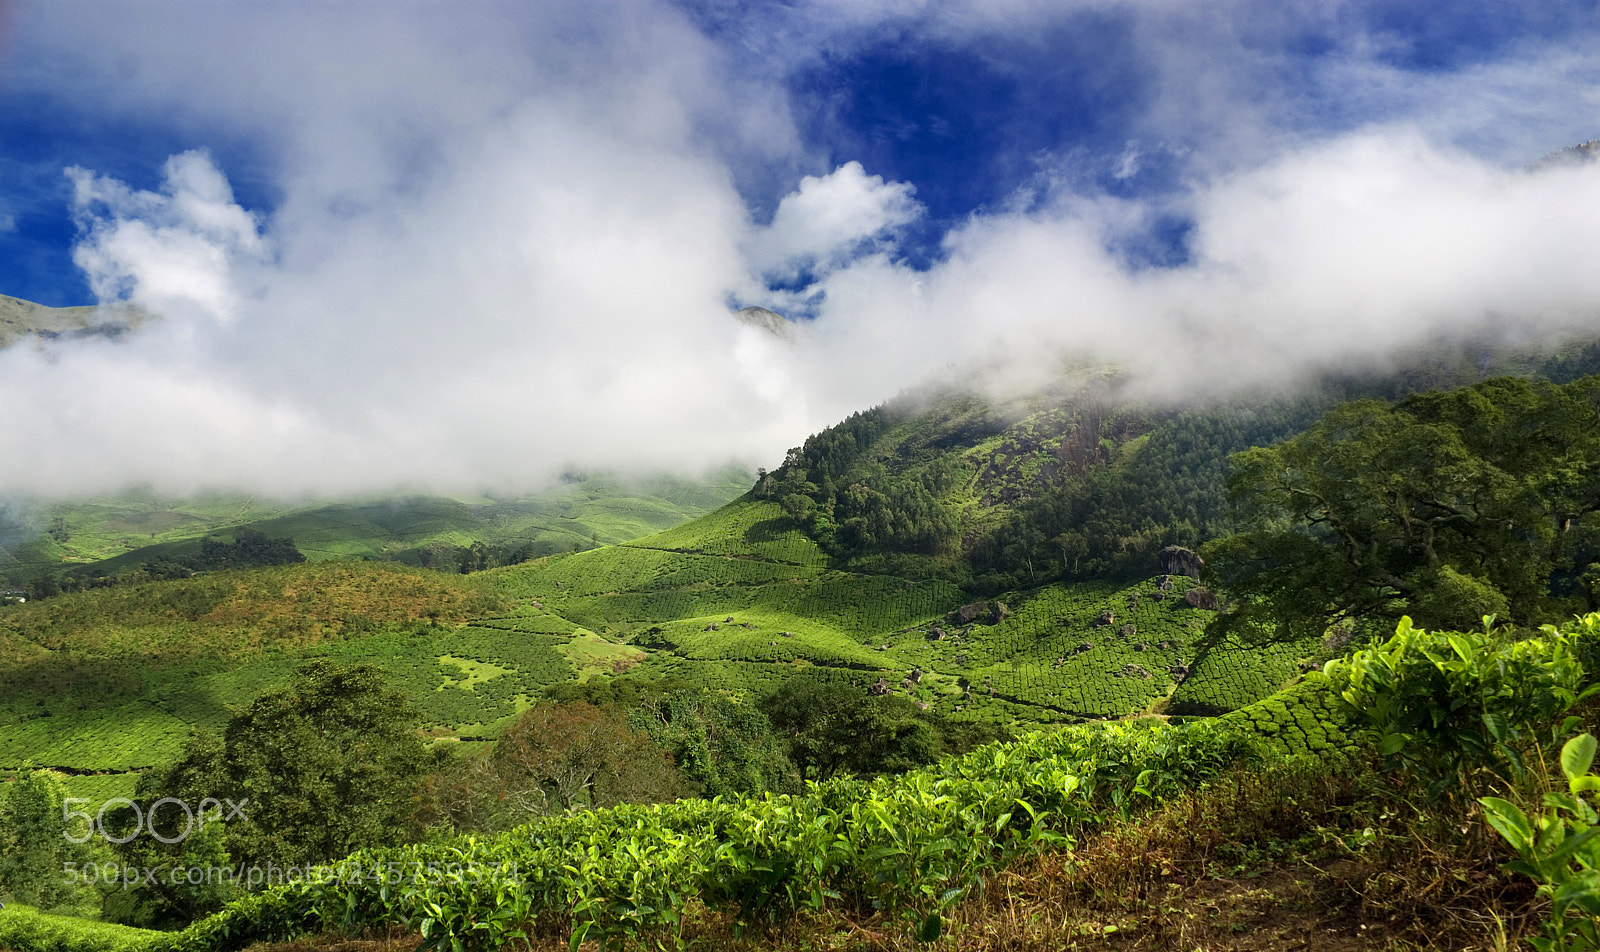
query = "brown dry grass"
{"x": 229, "y": 614}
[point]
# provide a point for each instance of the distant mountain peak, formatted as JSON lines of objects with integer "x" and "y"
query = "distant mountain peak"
{"x": 1579, "y": 154}
{"x": 19, "y": 319}
{"x": 762, "y": 319}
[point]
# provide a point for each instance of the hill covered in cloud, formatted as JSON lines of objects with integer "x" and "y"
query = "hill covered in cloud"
{"x": 21, "y": 320}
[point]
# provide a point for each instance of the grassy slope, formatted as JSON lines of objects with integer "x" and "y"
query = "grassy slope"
{"x": 145, "y": 665}
{"x": 742, "y": 598}
{"x": 127, "y": 529}
{"x": 141, "y": 666}
{"x": 23, "y": 927}
{"x": 114, "y": 680}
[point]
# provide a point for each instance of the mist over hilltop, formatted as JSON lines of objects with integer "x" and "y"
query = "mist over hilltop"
{"x": 473, "y": 247}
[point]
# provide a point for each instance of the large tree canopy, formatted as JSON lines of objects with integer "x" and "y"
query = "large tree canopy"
{"x": 328, "y": 765}
{"x": 303, "y": 775}
{"x": 555, "y": 758}
{"x": 1446, "y": 506}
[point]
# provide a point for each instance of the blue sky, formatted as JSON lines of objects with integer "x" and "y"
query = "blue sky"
{"x": 354, "y": 215}
{"x": 967, "y": 117}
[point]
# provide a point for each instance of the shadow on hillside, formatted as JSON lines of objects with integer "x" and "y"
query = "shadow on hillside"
{"x": 770, "y": 530}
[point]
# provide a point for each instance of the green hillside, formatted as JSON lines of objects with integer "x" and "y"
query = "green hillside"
{"x": 999, "y": 569}
{"x": 110, "y": 681}
{"x": 740, "y": 598}
{"x": 103, "y": 536}
{"x": 1076, "y": 481}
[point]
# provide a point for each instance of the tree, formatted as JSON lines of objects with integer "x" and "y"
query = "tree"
{"x": 555, "y": 758}
{"x": 249, "y": 549}
{"x": 324, "y": 767}
{"x": 831, "y": 727}
{"x": 34, "y": 848}
{"x": 1445, "y": 507}
{"x": 726, "y": 746}
{"x": 188, "y": 835}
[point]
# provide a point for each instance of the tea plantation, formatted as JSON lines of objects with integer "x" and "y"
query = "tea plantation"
{"x": 737, "y": 600}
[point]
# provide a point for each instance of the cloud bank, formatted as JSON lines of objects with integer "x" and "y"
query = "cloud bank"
{"x": 508, "y": 243}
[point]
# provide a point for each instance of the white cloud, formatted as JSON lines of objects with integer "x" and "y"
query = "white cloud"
{"x": 503, "y": 242}
{"x": 1128, "y": 162}
{"x": 1339, "y": 252}
{"x": 830, "y": 219}
{"x": 502, "y": 247}
{"x": 170, "y": 251}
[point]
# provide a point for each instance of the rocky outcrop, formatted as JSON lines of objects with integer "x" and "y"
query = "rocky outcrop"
{"x": 1176, "y": 560}
{"x": 762, "y": 319}
{"x": 1201, "y": 598}
{"x": 988, "y": 613}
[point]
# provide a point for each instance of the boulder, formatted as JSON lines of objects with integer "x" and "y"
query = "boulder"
{"x": 1128, "y": 631}
{"x": 1201, "y": 598}
{"x": 936, "y": 634}
{"x": 1176, "y": 560}
{"x": 966, "y": 614}
{"x": 988, "y": 613}
{"x": 1107, "y": 617}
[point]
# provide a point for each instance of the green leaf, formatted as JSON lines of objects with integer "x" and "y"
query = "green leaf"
{"x": 1577, "y": 755}
{"x": 1508, "y": 820}
{"x": 931, "y": 928}
{"x": 1586, "y": 784}
{"x": 1581, "y": 892}
{"x": 1557, "y": 858}
{"x": 1391, "y": 744}
{"x": 1498, "y": 727}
